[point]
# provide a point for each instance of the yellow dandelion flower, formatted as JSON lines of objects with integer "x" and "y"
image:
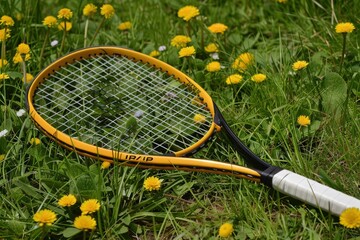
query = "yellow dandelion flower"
{"x": 85, "y": 223}
{"x": 45, "y": 217}
{"x": 226, "y": 230}
{"x": 29, "y": 78}
{"x": 23, "y": 48}
{"x": 124, "y": 26}
{"x": 218, "y": 28}
{"x": 152, "y": 183}
{"x": 89, "y": 10}
{"x": 89, "y": 206}
{"x": 303, "y": 120}
{"x": 2, "y": 157}
{"x": 50, "y": 21}
{"x": 243, "y": 61}
{"x": 65, "y": 13}
{"x": 233, "y": 79}
{"x": 18, "y": 59}
{"x": 154, "y": 53}
{"x": 67, "y": 200}
{"x": 350, "y": 218}
{"x": 107, "y": 10}
{"x": 213, "y": 66}
{"x": 4, "y": 76}
{"x": 197, "y": 101}
{"x": 4, "y": 34}
{"x": 19, "y": 16}
{"x": 298, "y": 65}
{"x": 105, "y": 164}
{"x": 211, "y": 48}
{"x": 198, "y": 118}
{"x": 35, "y": 141}
{"x": 345, "y": 27}
{"x": 281, "y": 1}
{"x": 7, "y": 21}
{"x": 3, "y": 63}
{"x": 187, "y": 52}
{"x": 65, "y": 25}
{"x": 188, "y": 12}
{"x": 180, "y": 41}
{"x": 258, "y": 78}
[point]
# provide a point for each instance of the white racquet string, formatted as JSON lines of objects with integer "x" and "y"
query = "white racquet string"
{"x": 118, "y": 104}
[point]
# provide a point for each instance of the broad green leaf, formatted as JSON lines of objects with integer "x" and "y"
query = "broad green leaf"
{"x": 235, "y": 38}
{"x": 6, "y": 124}
{"x": 73, "y": 169}
{"x": 123, "y": 229}
{"x": 86, "y": 186}
{"x": 150, "y": 47}
{"x": 126, "y": 220}
{"x": 70, "y": 232}
{"x": 333, "y": 92}
{"x": 15, "y": 226}
{"x": 14, "y": 75}
{"x": 250, "y": 41}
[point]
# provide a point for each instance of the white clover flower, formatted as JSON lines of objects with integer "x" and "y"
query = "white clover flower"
{"x": 138, "y": 113}
{"x": 3, "y": 132}
{"x": 292, "y": 73}
{"x": 171, "y": 95}
{"x": 162, "y": 48}
{"x": 214, "y": 56}
{"x": 54, "y": 43}
{"x": 20, "y": 113}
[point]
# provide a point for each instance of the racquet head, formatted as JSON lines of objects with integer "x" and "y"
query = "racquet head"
{"x": 105, "y": 101}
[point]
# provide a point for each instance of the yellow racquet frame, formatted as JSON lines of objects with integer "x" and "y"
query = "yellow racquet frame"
{"x": 145, "y": 161}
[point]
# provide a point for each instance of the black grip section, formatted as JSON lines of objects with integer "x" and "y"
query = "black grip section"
{"x": 250, "y": 158}
{"x": 268, "y": 174}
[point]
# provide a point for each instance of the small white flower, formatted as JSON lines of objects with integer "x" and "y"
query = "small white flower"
{"x": 214, "y": 56}
{"x": 292, "y": 73}
{"x": 171, "y": 95}
{"x": 138, "y": 113}
{"x": 54, "y": 43}
{"x": 162, "y": 48}
{"x": 3, "y": 132}
{"x": 168, "y": 96}
{"x": 20, "y": 113}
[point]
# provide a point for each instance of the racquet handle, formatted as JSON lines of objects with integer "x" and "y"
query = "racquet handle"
{"x": 313, "y": 193}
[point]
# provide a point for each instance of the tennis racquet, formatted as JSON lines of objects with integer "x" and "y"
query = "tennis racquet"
{"x": 122, "y": 106}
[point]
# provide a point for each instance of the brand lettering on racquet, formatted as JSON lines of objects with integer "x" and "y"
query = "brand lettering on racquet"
{"x": 138, "y": 158}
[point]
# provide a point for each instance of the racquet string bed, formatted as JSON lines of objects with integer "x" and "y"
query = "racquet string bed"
{"x": 119, "y": 104}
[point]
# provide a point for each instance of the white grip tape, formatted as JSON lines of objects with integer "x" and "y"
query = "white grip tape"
{"x": 313, "y": 193}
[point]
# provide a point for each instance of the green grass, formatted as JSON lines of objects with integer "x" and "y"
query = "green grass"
{"x": 194, "y": 205}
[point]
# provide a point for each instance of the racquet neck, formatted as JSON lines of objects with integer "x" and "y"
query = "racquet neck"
{"x": 249, "y": 157}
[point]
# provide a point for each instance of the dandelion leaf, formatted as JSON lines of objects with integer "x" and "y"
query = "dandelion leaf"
{"x": 15, "y": 226}
{"x": 235, "y": 38}
{"x": 85, "y": 185}
{"x": 73, "y": 169}
{"x": 14, "y": 75}
{"x": 333, "y": 93}
{"x": 70, "y": 232}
